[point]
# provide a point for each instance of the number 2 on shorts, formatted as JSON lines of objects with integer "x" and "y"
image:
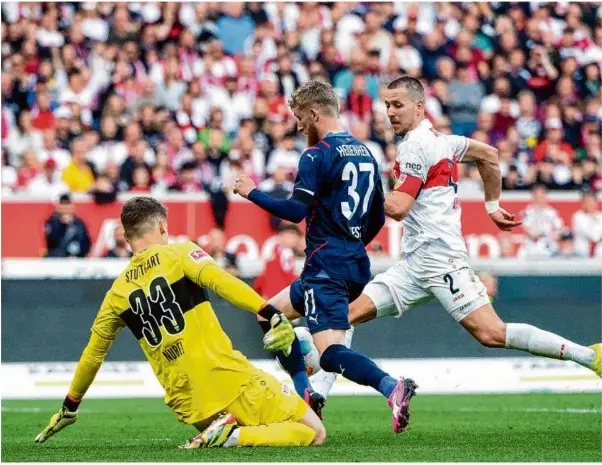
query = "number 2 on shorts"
{"x": 448, "y": 279}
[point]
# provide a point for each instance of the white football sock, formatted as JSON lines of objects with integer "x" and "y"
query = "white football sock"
{"x": 525, "y": 337}
{"x": 232, "y": 441}
{"x": 323, "y": 381}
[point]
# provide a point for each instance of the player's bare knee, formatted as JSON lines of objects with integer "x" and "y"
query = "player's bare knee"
{"x": 361, "y": 309}
{"x": 493, "y": 337}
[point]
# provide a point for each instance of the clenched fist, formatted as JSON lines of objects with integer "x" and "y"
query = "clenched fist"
{"x": 244, "y": 185}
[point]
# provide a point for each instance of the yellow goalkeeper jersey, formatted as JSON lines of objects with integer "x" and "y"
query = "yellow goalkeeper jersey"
{"x": 162, "y": 298}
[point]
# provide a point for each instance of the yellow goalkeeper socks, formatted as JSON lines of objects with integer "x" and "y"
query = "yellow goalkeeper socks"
{"x": 276, "y": 434}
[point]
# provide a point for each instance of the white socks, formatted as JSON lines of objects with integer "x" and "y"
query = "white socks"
{"x": 538, "y": 342}
{"x": 323, "y": 381}
{"x": 232, "y": 441}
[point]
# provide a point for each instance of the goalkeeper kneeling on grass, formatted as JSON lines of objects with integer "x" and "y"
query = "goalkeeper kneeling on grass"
{"x": 161, "y": 298}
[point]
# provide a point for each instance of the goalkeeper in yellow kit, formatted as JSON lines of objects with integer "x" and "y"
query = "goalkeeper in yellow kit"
{"x": 161, "y": 297}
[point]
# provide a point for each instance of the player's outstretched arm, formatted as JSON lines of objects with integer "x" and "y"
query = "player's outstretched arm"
{"x": 292, "y": 209}
{"x": 488, "y": 164}
{"x": 89, "y": 364}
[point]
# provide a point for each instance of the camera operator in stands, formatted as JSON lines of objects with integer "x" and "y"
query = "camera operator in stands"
{"x": 66, "y": 234}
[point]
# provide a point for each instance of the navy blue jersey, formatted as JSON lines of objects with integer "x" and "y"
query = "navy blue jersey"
{"x": 341, "y": 180}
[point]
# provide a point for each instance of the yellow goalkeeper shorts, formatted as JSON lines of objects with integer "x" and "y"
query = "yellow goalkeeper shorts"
{"x": 263, "y": 401}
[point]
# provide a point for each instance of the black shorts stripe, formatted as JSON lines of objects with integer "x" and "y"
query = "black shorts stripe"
{"x": 188, "y": 295}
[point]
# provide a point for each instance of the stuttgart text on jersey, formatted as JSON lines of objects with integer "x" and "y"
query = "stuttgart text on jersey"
{"x": 143, "y": 268}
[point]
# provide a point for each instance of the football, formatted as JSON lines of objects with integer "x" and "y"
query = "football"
{"x": 311, "y": 356}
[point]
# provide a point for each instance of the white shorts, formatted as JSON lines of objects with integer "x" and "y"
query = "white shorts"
{"x": 432, "y": 271}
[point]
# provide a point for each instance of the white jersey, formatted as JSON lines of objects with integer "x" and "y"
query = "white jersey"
{"x": 541, "y": 221}
{"x": 432, "y": 157}
{"x": 587, "y": 229}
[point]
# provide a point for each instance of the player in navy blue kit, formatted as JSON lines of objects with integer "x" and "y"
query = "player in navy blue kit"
{"x": 339, "y": 193}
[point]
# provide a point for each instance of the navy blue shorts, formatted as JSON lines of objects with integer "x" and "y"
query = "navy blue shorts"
{"x": 324, "y": 301}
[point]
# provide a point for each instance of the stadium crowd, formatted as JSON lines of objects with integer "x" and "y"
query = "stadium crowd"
{"x": 154, "y": 97}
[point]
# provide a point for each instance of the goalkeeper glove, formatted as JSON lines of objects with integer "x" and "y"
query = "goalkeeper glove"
{"x": 282, "y": 334}
{"x": 66, "y": 416}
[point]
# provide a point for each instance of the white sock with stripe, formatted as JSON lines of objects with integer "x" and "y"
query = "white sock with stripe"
{"x": 232, "y": 441}
{"x": 536, "y": 341}
{"x": 323, "y": 381}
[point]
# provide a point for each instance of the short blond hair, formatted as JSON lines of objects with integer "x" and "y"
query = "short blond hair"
{"x": 315, "y": 94}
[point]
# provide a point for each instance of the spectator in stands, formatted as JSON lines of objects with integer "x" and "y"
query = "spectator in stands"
{"x": 542, "y": 225}
{"x": 465, "y": 99}
{"x": 29, "y": 169}
{"x": 565, "y": 247}
{"x": 285, "y": 155}
{"x": 51, "y": 151}
{"x": 9, "y": 175}
{"x": 23, "y": 138}
{"x": 104, "y": 190}
{"x": 234, "y": 27}
{"x": 587, "y": 226}
{"x": 216, "y": 247}
{"x": 66, "y": 234}
{"x": 553, "y": 146}
{"x": 278, "y": 186}
{"x": 141, "y": 181}
{"x": 133, "y": 161}
{"x": 48, "y": 183}
{"x": 79, "y": 175}
{"x": 187, "y": 181}
{"x": 87, "y": 68}
{"x": 279, "y": 271}
{"x": 121, "y": 249}
{"x": 359, "y": 102}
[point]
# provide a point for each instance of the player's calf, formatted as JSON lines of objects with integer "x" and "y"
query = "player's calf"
{"x": 487, "y": 328}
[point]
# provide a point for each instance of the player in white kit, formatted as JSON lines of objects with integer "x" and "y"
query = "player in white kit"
{"x": 435, "y": 261}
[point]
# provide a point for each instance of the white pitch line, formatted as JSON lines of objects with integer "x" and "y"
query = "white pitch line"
{"x": 39, "y": 410}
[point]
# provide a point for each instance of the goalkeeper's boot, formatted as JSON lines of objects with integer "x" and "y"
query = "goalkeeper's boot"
{"x": 597, "y": 365}
{"x": 315, "y": 400}
{"x": 399, "y": 401}
{"x": 216, "y": 434}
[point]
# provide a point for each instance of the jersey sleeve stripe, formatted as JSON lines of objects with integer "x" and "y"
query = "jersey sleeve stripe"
{"x": 304, "y": 190}
{"x": 411, "y": 185}
{"x": 325, "y": 143}
{"x": 464, "y": 150}
{"x": 313, "y": 147}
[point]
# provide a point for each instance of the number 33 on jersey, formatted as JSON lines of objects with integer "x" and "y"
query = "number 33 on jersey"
{"x": 162, "y": 298}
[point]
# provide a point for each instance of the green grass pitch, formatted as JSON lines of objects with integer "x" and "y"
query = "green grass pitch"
{"x": 526, "y": 428}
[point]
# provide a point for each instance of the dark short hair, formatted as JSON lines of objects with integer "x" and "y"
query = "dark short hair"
{"x": 139, "y": 216}
{"x": 411, "y": 85}
{"x": 539, "y": 186}
{"x": 65, "y": 198}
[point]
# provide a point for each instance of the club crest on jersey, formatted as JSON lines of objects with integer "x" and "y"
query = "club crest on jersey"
{"x": 198, "y": 255}
{"x": 400, "y": 180}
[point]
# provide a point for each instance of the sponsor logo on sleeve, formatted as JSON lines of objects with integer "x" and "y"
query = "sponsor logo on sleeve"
{"x": 198, "y": 255}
